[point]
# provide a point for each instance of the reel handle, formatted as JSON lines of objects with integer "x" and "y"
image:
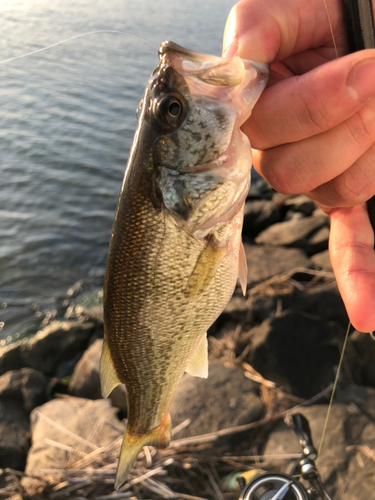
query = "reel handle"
{"x": 301, "y": 427}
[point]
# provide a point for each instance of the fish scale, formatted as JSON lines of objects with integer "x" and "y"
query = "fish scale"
{"x": 175, "y": 251}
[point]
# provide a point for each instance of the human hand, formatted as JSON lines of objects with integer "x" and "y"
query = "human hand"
{"x": 313, "y": 129}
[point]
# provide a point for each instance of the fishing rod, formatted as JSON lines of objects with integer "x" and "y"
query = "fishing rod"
{"x": 359, "y": 24}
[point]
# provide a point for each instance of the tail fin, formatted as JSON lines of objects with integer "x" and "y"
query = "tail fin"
{"x": 132, "y": 445}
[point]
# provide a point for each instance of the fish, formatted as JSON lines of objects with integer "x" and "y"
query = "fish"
{"x": 176, "y": 251}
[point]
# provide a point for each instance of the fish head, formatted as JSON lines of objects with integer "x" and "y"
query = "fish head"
{"x": 193, "y": 108}
{"x": 205, "y": 98}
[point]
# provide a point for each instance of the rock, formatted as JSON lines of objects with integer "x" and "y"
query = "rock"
{"x": 363, "y": 397}
{"x": 300, "y": 203}
{"x": 265, "y": 261}
{"x": 20, "y": 392}
{"x": 259, "y": 188}
{"x": 226, "y": 399}
{"x": 296, "y": 351}
{"x": 52, "y": 345}
{"x": 322, "y": 261}
{"x": 90, "y": 305}
{"x": 280, "y": 199}
{"x": 291, "y": 215}
{"x": 294, "y": 233}
{"x": 325, "y": 304}
{"x": 296, "y": 203}
{"x": 14, "y": 434}
{"x": 85, "y": 381}
{"x": 362, "y": 357}
{"x": 27, "y": 386}
{"x": 318, "y": 242}
{"x": 83, "y": 419}
{"x": 258, "y": 215}
{"x": 338, "y": 465}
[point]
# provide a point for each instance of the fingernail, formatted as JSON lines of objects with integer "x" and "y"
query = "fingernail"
{"x": 361, "y": 80}
{"x": 231, "y": 49}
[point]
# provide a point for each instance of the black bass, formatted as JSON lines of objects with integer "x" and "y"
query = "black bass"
{"x": 176, "y": 250}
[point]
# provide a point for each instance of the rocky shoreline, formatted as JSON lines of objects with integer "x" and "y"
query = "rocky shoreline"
{"x": 270, "y": 351}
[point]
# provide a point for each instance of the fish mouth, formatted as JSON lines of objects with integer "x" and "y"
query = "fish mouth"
{"x": 235, "y": 81}
{"x": 213, "y": 70}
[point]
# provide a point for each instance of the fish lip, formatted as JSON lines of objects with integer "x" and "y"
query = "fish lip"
{"x": 261, "y": 67}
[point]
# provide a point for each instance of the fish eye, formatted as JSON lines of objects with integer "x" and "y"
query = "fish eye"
{"x": 169, "y": 110}
{"x": 174, "y": 108}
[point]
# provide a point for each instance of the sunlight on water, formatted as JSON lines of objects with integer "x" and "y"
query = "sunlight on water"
{"x": 66, "y": 126}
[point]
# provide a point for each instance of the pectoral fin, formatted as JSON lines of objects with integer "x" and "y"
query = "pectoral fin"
{"x": 108, "y": 377}
{"x": 242, "y": 269}
{"x": 205, "y": 268}
{"x": 198, "y": 364}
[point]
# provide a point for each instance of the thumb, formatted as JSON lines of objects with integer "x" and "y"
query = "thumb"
{"x": 271, "y": 30}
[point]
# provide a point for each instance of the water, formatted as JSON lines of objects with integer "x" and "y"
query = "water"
{"x": 66, "y": 125}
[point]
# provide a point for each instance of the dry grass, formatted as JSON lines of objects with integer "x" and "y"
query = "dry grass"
{"x": 192, "y": 468}
{"x": 189, "y": 469}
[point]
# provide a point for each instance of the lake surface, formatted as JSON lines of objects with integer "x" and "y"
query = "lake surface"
{"x": 67, "y": 122}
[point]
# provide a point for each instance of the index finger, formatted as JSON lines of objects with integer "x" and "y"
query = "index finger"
{"x": 272, "y": 30}
{"x": 351, "y": 249}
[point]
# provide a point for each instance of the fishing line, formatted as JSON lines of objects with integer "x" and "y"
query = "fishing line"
{"x": 334, "y": 390}
{"x": 74, "y": 38}
{"x": 331, "y": 28}
{"x": 349, "y": 324}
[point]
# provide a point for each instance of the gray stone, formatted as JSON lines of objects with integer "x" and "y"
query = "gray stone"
{"x": 361, "y": 396}
{"x": 225, "y": 399}
{"x": 27, "y": 386}
{"x": 324, "y": 304}
{"x": 52, "y": 345}
{"x": 362, "y": 356}
{"x": 280, "y": 199}
{"x": 291, "y": 215}
{"x": 14, "y": 434}
{"x": 258, "y": 215}
{"x": 265, "y": 261}
{"x": 85, "y": 381}
{"x": 297, "y": 351}
{"x": 322, "y": 261}
{"x": 338, "y": 466}
{"x": 83, "y": 419}
{"x": 318, "y": 241}
{"x": 90, "y": 305}
{"x": 293, "y": 233}
{"x": 300, "y": 203}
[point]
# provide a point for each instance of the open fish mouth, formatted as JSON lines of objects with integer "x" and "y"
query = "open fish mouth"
{"x": 221, "y": 75}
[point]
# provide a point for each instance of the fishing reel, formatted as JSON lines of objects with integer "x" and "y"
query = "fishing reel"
{"x": 279, "y": 486}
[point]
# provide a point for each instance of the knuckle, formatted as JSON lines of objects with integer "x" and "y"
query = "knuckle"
{"x": 285, "y": 171}
{"x": 351, "y": 190}
{"x": 361, "y": 128}
{"x": 315, "y": 115}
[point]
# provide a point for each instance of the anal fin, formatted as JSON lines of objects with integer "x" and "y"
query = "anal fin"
{"x": 108, "y": 376}
{"x": 198, "y": 364}
{"x": 242, "y": 269}
{"x": 205, "y": 268}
